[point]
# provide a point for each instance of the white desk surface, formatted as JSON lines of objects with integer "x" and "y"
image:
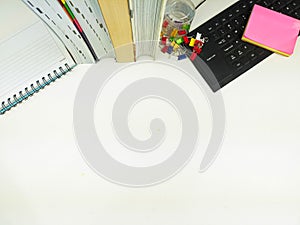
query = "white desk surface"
{"x": 255, "y": 179}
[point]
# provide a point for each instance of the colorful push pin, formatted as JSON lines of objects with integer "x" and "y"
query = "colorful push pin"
{"x": 176, "y": 46}
{"x": 198, "y": 36}
{"x": 186, "y": 40}
{"x": 164, "y": 49}
{"x": 170, "y": 49}
{"x": 179, "y": 41}
{"x": 174, "y": 32}
{"x": 197, "y": 50}
{"x": 165, "y": 23}
{"x": 192, "y": 42}
{"x": 181, "y": 57}
{"x": 171, "y": 39}
{"x": 193, "y": 56}
{"x": 173, "y": 43}
{"x": 182, "y": 32}
{"x": 199, "y": 44}
{"x": 186, "y": 27}
{"x": 164, "y": 40}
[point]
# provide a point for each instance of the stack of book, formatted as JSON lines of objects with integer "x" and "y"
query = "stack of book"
{"x": 92, "y": 29}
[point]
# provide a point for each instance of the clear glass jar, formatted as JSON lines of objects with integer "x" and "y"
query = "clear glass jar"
{"x": 179, "y": 15}
{"x": 180, "y": 11}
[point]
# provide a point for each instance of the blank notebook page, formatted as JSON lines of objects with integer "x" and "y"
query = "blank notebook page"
{"x": 272, "y": 30}
{"x": 26, "y": 57}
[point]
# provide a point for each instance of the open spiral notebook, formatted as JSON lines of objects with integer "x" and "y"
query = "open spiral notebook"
{"x": 39, "y": 44}
{"x": 30, "y": 63}
{"x": 31, "y": 56}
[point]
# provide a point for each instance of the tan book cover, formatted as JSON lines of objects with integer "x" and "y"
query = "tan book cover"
{"x": 116, "y": 14}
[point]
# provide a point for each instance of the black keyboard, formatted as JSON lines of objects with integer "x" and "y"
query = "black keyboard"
{"x": 225, "y": 56}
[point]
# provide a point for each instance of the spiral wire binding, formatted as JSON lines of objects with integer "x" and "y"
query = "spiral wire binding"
{"x": 34, "y": 88}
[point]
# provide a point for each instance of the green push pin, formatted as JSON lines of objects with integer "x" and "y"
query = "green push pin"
{"x": 179, "y": 40}
{"x": 186, "y": 27}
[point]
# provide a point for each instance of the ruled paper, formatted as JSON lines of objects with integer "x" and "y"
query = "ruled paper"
{"x": 26, "y": 57}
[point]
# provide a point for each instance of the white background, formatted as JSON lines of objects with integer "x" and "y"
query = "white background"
{"x": 255, "y": 180}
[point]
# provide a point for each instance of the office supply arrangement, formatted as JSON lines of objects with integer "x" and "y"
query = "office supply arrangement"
{"x": 225, "y": 55}
{"x": 73, "y": 32}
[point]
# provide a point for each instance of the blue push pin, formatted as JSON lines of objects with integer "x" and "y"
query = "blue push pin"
{"x": 170, "y": 49}
{"x": 181, "y": 57}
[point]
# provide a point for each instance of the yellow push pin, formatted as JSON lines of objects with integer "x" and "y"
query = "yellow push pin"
{"x": 192, "y": 42}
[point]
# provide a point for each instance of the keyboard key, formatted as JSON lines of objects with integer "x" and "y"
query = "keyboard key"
{"x": 237, "y": 9}
{"x": 287, "y": 10}
{"x": 223, "y": 20}
{"x": 221, "y": 41}
{"x": 252, "y": 55}
{"x": 230, "y": 15}
{"x": 272, "y": 7}
{"x": 215, "y": 36}
{"x": 296, "y": 14}
{"x": 237, "y": 42}
{"x": 239, "y": 52}
{"x": 244, "y": 60}
{"x": 265, "y": 3}
{"x": 221, "y": 31}
{"x": 244, "y": 5}
{"x": 247, "y": 47}
{"x": 244, "y": 17}
{"x": 216, "y": 23}
{"x": 228, "y": 48}
{"x": 239, "y": 21}
{"x": 236, "y": 31}
{"x": 209, "y": 28}
{"x": 229, "y": 26}
{"x": 251, "y": 3}
{"x": 295, "y": 4}
{"x": 278, "y": 4}
{"x": 229, "y": 37}
{"x": 237, "y": 64}
{"x": 260, "y": 51}
{"x": 231, "y": 57}
{"x": 211, "y": 57}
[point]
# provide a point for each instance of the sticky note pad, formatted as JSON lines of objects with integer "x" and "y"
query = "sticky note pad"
{"x": 272, "y": 30}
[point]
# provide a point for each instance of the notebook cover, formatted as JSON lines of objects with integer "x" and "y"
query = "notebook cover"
{"x": 272, "y": 30}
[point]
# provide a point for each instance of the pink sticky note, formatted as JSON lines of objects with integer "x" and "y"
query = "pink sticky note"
{"x": 272, "y": 30}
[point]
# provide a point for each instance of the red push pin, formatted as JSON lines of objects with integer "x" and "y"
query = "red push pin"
{"x": 165, "y": 49}
{"x": 193, "y": 56}
{"x": 186, "y": 40}
{"x": 164, "y": 40}
{"x": 165, "y": 23}
{"x": 182, "y": 32}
